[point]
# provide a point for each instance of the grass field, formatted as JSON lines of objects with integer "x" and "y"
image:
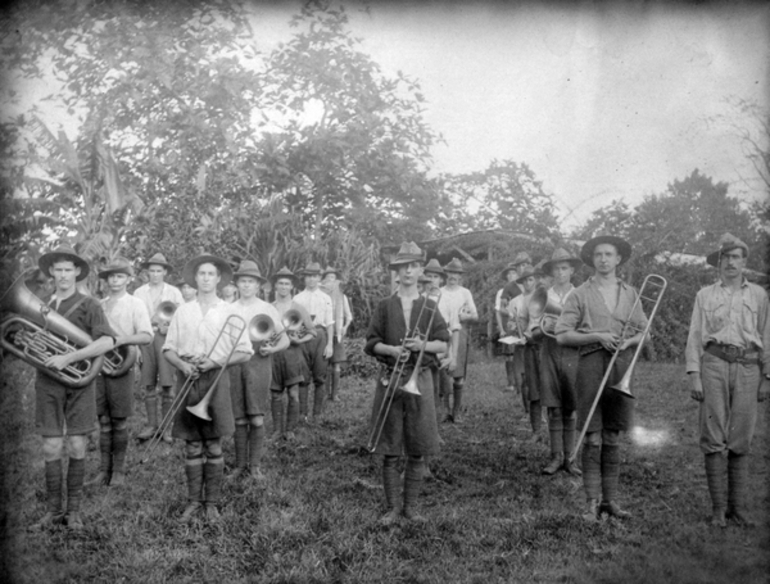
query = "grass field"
{"x": 492, "y": 516}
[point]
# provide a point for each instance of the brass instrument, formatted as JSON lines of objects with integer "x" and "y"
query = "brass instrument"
{"x": 394, "y": 382}
{"x": 544, "y": 311}
{"x": 163, "y": 315}
{"x": 652, "y": 291}
{"x": 261, "y": 328}
{"x": 34, "y": 333}
{"x": 232, "y": 329}
{"x": 118, "y": 361}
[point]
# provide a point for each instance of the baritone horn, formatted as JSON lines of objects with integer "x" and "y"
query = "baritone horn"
{"x": 651, "y": 291}
{"x": 394, "y": 381}
{"x": 546, "y": 311}
{"x": 33, "y": 332}
{"x": 163, "y": 315}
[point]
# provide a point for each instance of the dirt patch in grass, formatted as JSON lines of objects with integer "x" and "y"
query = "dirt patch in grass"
{"x": 492, "y": 516}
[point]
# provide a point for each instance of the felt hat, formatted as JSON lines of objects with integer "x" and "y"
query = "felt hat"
{"x": 119, "y": 265}
{"x": 312, "y": 269}
{"x": 587, "y": 251}
{"x": 433, "y": 267}
{"x": 510, "y": 267}
{"x": 284, "y": 272}
{"x": 528, "y": 273}
{"x": 191, "y": 267}
{"x": 727, "y": 242}
{"x": 561, "y": 255}
{"x": 63, "y": 252}
{"x": 408, "y": 253}
{"x": 455, "y": 267}
{"x": 250, "y": 269}
{"x": 157, "y": 260}
{"x": 332, "y": 270}
{"x": 521, "y": 258}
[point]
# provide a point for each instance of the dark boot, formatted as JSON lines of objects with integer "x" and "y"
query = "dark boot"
{"x": 194, "y": 471}
{"x": 412, "y": 481}
{"x": 151, "y": 405}
{"x": 391, "y": 484}
{"x": 54, "y": 514}
{"x": 610, "y": 469}
{"x": 241, "y": 451}
{"x": 716, "y": 468}
{"x": 592, "y": 480}
{"x": 256, "y": 450}
{"x": 105, "y": 459}
{"x": 119, "y": 450}
{"x": 75, "y": 476}
{"x": 276, "y": 408}
{"x": 738, "y": 490}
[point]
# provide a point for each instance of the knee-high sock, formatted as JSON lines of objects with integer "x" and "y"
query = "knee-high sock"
{"x": 105, "y": 450}
{"x": 510, "y": 372}
{"x": 151, "y": 405}
{"x": 304, "y": 391}
{"x": 276, "y": 408}
{"x": 335, "y": 381}
{"x": 75, "y": 476}
{"x": 119, "y": 448}
{"x": 292, "y": 414}
{"x": 165, "y": 405}
{"x": 53, "y": 485}
{"x": 737, "y": 481}
{"x": 256, "y": 445}
{"x": 241, "y": 445}
{"x": 716, "y": 467}
{"x": 592, "y": 471}
{"x": 569, "y": 423}
{"x": 391, "y": 481}
{"x": 412, "y": 480}
{"x": 535, "y": 415}
{"x": 610, "y": 461}
{"x": 556, "y": 430}
{"x": 213, "y": 473}
{"x": 193, "y": 469}
{"x": 457, "y": 391}
{"x": 319, "y": 396}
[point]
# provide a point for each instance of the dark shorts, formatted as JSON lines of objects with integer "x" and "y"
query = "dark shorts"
{"x": 115, "y": 395}
{"x": 289, "y": 368}
{"x": 340, "y": 355}
{"x": 61, "y": 410}
{"x": 155, "y": 367}
{"x": 558, "y": 373}
{"x": 190, "y": 427}
{"x": 531, "y": 353}
{"x": 314, "y": 356}
{"x": 410, "y": 427}
{"x": 615, "y": 410}
{"x": 250, "y": 386}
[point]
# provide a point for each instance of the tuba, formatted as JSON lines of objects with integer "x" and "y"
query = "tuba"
{"x": 33, "y": 332}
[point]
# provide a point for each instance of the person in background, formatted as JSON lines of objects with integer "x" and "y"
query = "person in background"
{"x": 343, "y": 317}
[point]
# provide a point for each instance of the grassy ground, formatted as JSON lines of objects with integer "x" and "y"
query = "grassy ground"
{"x": 492, "y": 516}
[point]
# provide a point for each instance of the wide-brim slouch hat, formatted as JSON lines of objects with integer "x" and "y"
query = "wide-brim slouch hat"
{"x": 191, "y": 268}
{"x": 63, "y": 252}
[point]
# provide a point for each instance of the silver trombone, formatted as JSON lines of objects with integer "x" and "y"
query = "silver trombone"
{"x": 652, "y": 290}
{"x": 394, "y": 382}
{"x": 233, "y": 328}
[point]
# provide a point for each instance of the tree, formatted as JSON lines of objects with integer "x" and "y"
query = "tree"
{"x": 345, "y": 143}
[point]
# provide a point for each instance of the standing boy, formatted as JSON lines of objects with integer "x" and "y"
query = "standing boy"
{"x": 410, "y": 427}
{"x": 342, "y": 318}
{"x": 127, "y": 315}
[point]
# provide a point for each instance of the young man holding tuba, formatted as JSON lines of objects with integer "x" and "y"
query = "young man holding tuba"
{"x": 199, "y": 343}
{"x": 728, "y": 365}
{"x": 250, "y": 381}
{"x": 593, "y": 320}
{"x": 128, "y": 317}
{"x": 61, "y": 410}
{"x": 409, "y": 426}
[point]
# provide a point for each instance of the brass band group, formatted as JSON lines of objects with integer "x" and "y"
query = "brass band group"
{"x": 212, "y": 369}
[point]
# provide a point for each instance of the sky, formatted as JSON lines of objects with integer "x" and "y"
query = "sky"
{"x": 602, "y": 101}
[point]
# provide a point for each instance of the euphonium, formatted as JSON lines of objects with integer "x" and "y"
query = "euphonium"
{"x": 545, "y": 311}
{"x": 261, "y": 328}
{"x": 34, "y": 333}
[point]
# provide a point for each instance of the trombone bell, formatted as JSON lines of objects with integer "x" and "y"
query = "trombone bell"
{"x": 411, "y": 385}
{"x": 624, "y": 385}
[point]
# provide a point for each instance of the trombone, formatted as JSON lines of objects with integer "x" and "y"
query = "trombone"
{"x": 394, "y": 382}
{"x": 233, "y": 327}
{"x": 657, "y": 286}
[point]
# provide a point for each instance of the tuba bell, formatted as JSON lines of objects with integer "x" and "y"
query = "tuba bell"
{"x": 33, "y": 332}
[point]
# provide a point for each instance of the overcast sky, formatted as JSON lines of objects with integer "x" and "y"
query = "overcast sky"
{"x": 600, "y": 103}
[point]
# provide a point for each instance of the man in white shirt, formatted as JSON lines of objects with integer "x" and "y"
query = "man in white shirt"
{"x": 155, "y": 369}
{"x": 319, "y": 350}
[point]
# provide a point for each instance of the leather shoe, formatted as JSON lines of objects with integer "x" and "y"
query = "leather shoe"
{"x": 50, "y": 519}
{"x": 75, "y": 521}
{"x": 554, "y": 465}
{"x": 572, "y": 468}
{"x": 102, "y": 479}
{"x": 413, "y": 516}
{"x": 612, "y": 508}
{"x": 190, "y": 511}
{"x": 591, "y": 514}
{"x": 147, "y": 433}
{"x": 389, "y": 518}
{"x": 739, "y": 517}
{"x": 718, "y": 518}
{"x": 118, "y": 479}
{"x": 212, "y": 513}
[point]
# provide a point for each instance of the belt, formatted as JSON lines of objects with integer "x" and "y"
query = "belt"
{"x": 589, "y": 348}
{"x": 733, "y": 353}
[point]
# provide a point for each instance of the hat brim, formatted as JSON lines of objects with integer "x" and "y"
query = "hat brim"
{"x": 520, "y": 279}
{"x": 712, "y": 259}
{"x": 623, "y": 247}
{"x": 254, "y": 275}
{"x": 47, "y": 260}
{"x": 104, "y": 274}
{"x": 146, "y": 266}
{"x": 405, "y": 260}
{"x": 548, "y": 266}
{"x": 191, "y": 267}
